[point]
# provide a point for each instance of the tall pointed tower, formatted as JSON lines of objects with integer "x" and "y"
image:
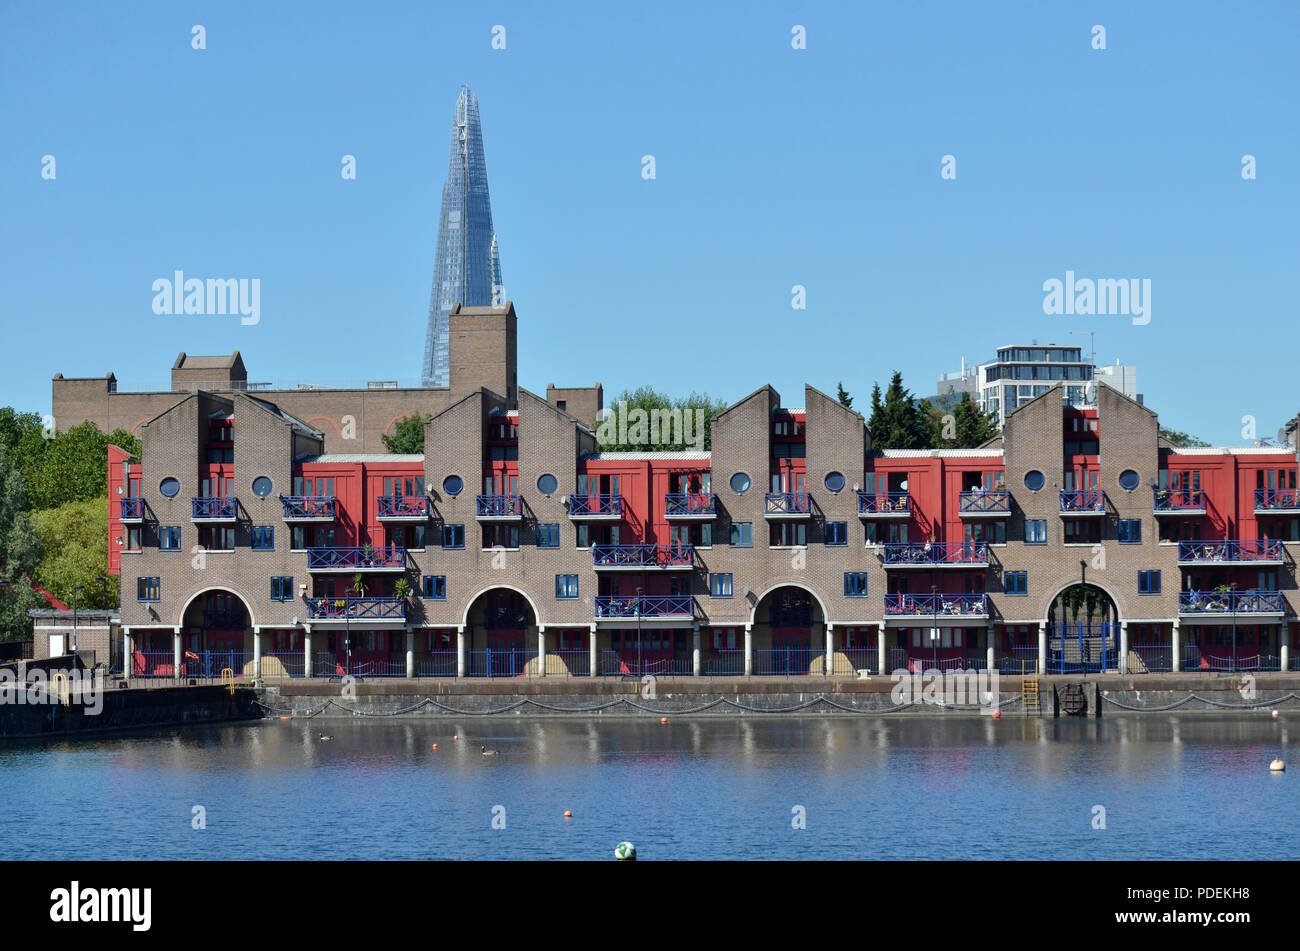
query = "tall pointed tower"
{"x": 468, "y": 266}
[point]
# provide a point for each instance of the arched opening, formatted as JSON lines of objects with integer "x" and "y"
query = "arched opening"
{"x": 1082, "y": 630}
{"x": 789, "y": 631}
{"x": 216, "y": 634}
{"x": 500, "y": 634}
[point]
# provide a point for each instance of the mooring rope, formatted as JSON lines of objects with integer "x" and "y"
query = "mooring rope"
{"x": 1192, "y": 696}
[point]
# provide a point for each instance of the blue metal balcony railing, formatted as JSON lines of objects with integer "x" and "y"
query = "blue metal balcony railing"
{"x": 1229, "y": 550}
{"x": 645, "y": 606}
{"x": 208, "y": 507}
{"x": 786, "y": 503}
{"x": 324, "y": 609}
{"x": 497, "y": 506}
{"x": 309, "y": 506}
{"x": 936, "y": 605}
{"x": 968, "y": 553}
{"x": 993, "y": 501}
{"x": 131, "y": 508}
{"x": 884, "y": 503}
{"x": 339, "y": 559}
{"x": 642, "y": 556}
{"x": 1230, "y": 602}
{"x": 595, "y": 505}
{"x": 1277, "y": 499}
{"x": 1083, "y": 500}
{"x": 1178, "y": 500}
{"x": 690, "y": 503}
{"x": 403, "y": 506}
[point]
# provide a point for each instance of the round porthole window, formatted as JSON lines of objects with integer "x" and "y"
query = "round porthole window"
{"x": 261, "y": 487}
{"x": 169, "y": 487}
{"x": 834, "y": 481}
{"x": 1129, "y": 479}
{"x": 547, "y": 484}
{"x": 1034, "y": 480}
{"x": 453, "y": 485}
{"x": 740, "y": 483}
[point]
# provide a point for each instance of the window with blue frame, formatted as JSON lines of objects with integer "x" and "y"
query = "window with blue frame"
{"x": 720, "y": 585}
{"x": 1035, "y": 531}
{"x": 837, "y": 533}
{"x": 742, "y": 534}
{"x": 147, "y": 589}
{"x": 453, "y": 536}
{"x": 548, "y": 535}
{"x": 1016, "y": 582}
{"x": 263, "y": 537}
{"x": 1148, "y": 582}
{"x": 566, "y": 586}
{"x": 1129, "y": 531}
{"x": 169, "y": 538}
{"x": 855, "y": 584}
{"x": 435, "y": 587}
{"x": 281, "y": 589}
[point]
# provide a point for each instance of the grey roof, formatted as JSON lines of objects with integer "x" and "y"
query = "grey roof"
{"x": 364, "y": 457}
{"x": 298, "y": 424}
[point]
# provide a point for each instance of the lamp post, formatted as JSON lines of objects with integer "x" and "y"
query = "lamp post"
{"x": 76, "y": 588}
{"x": 934, "y": 631}
{"x": 638, "y": 632}
{"x": 1232, "y": 599}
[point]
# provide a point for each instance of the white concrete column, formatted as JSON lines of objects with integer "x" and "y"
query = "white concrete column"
{"x": 881, "y": 650}
{"x": 257, "y": 653}
{"x": 1123, "y": 647}
{"x": 176, "y": 652}
{"x": 1176, "y": 644}
{"x": 830, "y": 649}
{"x": 1282, "y": 648}
{"x": 695, "y": 649}
{"x": 541, "y": 650}
{"x": 460, "y": 651}
{"x": 410, "y": 654}
{"x": 1042, "y": 647}
{"x": 593, "y": 657}
{"x": 749, "y": 650}
{"x": 306, "y": 651}
{"x": 128, "y": 653}
{"x": 990, "y": 638}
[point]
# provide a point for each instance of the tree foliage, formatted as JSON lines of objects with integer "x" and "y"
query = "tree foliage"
{"x": 74, "y": 546}
{"x": 1183, "y": 440}
{"x": 626, "y": 424}
{"x": 20, "y": 553}
{"x": 843, "y": 396}
{"x": 901, "y": 421}
{"x": 72, "y": 466}
{"x": 408, "y": 435}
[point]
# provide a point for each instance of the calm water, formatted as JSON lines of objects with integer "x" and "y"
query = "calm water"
{"x": 1172, "y": 787}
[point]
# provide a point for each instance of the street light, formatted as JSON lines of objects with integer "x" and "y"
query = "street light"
{"x": 1232, "y": 597}
{"x": 934, "y": 631}
{"x": 638, "y": 632}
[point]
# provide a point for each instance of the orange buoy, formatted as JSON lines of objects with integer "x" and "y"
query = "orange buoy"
{"x": 663, "y": 719}
{"x": 435, "y": 746}
{"x": 997, "y": 714}
{"x": 568, "y": 814}
{"x": 455, "y": 737}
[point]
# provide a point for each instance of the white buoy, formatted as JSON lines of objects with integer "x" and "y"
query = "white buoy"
{"x": 1277, "y": 766}
{"x": 625, "y": 852}
{"x": 1276, "y": 714}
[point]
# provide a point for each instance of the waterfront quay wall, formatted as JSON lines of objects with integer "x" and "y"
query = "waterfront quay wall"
{"x": 1063, "y": 696}
{"x": 125, "y": 709}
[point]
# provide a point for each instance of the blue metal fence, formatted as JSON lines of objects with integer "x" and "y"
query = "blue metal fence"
{"x": 690, "y": 503}
{"x": 1230, "y": 550}
{"x": 723, "y": 663}
{"x": 884, "y": 503}
{"x": 985, "y": 501}
{"x": 214, "y": 508}
{"x": 497, "y": 506}
{"x": 606, "y": 505}
{"x": 507, "y": 662}
{"x": 1080, "y": 648}
{"x": 309, "y": 506}
{"x": 436, "y": 664}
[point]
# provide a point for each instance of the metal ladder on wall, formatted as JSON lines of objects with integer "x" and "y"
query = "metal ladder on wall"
{"x": 1029, "y": 687}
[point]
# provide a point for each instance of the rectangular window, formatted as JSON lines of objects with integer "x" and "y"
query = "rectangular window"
{"x": 1082, "y": 531}
{"x": 132, "y": 540}
{"x": 147, "y": 589}
{"x": 1035, "y": 531}
{"x": 1148, "y": 582}
{"x": 1016, "y": 582}
{"x": 453, "y": 536}
{"x": 992, "y": 533}
{"x": 500, "y": 536}
{"x": 855, "y": 584}
{"x": 217, "y": 537}
{"x": 720, "y": 585}
{"x": 435, "y": 587}
{"x": 837, "y": 533}
{"x": 548, "y": 535}
{"x": 1129, "y": 531}
{"x": 583, "y": 536}
{"x": 742, "y": 534}
{"x": 263, "y": 537}
{"x": 281, "y": 589}
{"x": 566, "y": 586}
{"x": 785, "y": 534}
{"x": 169, "y": 538}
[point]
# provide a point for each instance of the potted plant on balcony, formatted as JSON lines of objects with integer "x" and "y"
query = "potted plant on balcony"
{"x": 367, "y": 555}
{"x": 401, "y": 589}
{"x": 359, "y": 585}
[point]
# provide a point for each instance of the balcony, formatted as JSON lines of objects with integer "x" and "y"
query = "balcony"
{"x": 645, "y": 608}
{"x": 641, "y": 557}
{"x": 596, "y": 508}
{"x": 937, "y": 605}
{"x": 210, "y": 509}
{"x": 884, "y": 505}
{"x": 498, "y": 508}
{"x": 1083, "y": 502}
{"x": 1221, "y": 604}
{"x": 931, "y": 555}
{"x": 690, "y": 505}
{"x": 1277, "y": 501}
{"x": 330, "y": 612}
{"x": 309, "y": 508}
{"x": 1179, "y": 502}
{"x": 984, "y": 503}
{"x": 131, "y": 511}
{"x": 1228, "y": 552}
{"x": 785, "y": 505}
{"x": 403, "y": 508}
{"x": 356, "y": 559}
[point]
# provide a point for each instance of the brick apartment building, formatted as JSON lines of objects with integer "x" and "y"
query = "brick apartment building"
{"x": 1078, "y": 540}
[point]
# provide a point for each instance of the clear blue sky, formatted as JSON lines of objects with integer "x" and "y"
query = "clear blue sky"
{"x": 775, "y": 167}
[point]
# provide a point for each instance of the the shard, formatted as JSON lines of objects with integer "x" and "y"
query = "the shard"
{"x": 468, "y": 269}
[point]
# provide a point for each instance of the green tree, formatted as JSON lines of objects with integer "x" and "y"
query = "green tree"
{"x": 73, "y": 466}
{"x": 1183, "y": 440}
{"x": 626, "y": 424}
{"x": 408, "y": 435}
{"x": 899, "y": 421}
{"x": 74, "y": 550}
{"x": 970, "y": 427}
{"x": 843, "y": 396}
{"x": 20, "y": 552}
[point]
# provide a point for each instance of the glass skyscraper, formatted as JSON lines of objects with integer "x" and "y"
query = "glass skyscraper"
{"x": 469, "y": 265}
